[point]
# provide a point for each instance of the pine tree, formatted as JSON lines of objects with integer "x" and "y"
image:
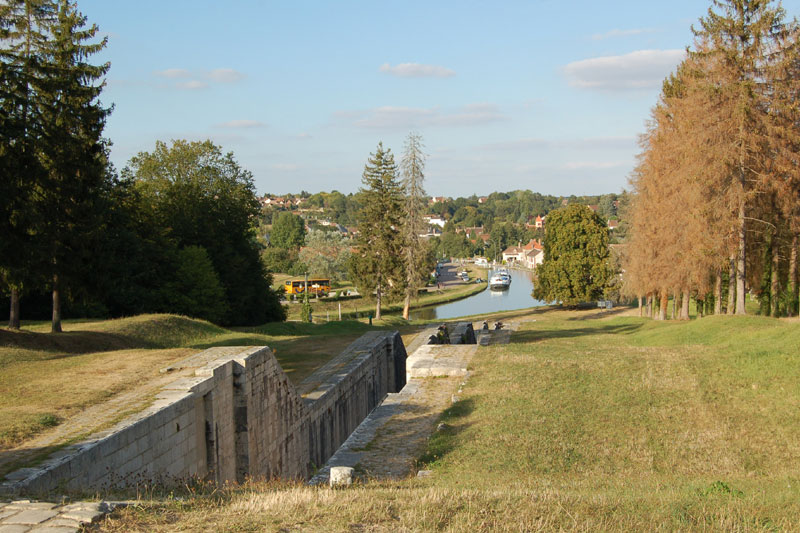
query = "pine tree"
{"x": 24, "y": 30}
{"x": 73, "y": 151}
{"x": 378, "y": 264}
{"x": 416, "y": 260}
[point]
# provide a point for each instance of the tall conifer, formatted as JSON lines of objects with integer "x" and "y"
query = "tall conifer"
{"x": 378, "y": 264}
{"x": 414, "y": 250}
{"x": 73, "y": 150}
{"x": 24, "y": 32}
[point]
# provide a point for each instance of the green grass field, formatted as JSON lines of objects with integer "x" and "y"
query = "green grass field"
{"x": 586, "y": 421}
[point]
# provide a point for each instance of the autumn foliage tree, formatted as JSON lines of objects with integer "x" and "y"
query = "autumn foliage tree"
{"x": 715, "y": 191}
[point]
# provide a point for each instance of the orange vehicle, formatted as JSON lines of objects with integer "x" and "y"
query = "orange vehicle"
{"x": 320, "y": 286}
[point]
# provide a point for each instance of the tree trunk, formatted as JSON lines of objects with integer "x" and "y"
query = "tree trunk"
{"x": 662, "y": 311}
{"x": 13, "y": 313}
{"x": 685, "y": 305}
{"x": 407, "y": 305}
{"x": 653, "y": 306}
{"x": 378, "y": 303}
{"x": 774, "y": 282}
{"x": 674, "y": 303}
{"x": 792, "y": 308}
{"x": 700, "y": 305}
{"x": 640, "y": 307}
{"x": 56, "y": 326}
{"x": 732, "y": 286}
{"x": 718, "y": 294}
{"x": 648, "y": 309}
{"x": 740, "y": 264}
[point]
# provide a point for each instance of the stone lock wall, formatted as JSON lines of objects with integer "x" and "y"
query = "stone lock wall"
{"x": 237, "y": 416}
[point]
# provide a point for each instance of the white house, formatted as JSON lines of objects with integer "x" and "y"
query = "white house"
{"x": 435, "y": 220}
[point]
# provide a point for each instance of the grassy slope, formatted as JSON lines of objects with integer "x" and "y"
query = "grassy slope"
{"x": 46, "y": 378}
{"x": 581, "y": 423}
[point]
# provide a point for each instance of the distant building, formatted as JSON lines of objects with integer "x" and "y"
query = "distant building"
{"x": 612, "y": 224}
{"x": 482, "y": 200}
{"x": 433, "y": 231}
{"x": 472, "y": 232}
{"x": 513, "y": 254}
{"x": 530, "y": 255}
{"x": 435, "y": 220}
{"x": 438, "y": 200}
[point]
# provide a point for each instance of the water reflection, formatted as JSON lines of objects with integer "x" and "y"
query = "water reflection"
{"x": 518, "y": 296}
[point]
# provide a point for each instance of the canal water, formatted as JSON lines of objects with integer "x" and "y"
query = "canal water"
{"x": 518, "y": 296}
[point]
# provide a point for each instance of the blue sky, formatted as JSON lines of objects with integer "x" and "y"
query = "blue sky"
{"x": 542, "y": 95}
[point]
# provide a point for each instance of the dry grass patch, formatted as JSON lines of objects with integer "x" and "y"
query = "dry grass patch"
{"x": 48, "y": 379}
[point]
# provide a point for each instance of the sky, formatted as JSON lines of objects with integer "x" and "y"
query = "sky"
{"x": 540, "y": 94}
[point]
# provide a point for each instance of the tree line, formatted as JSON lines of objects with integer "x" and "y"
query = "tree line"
{"x": 715, "y": 212}
{"x": 174, "y": 232}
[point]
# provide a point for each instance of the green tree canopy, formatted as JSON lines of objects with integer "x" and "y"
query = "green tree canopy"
{"x": 288, "y": 231}
{"x": 206, "y": 199}
{"x": 575, "y": 267}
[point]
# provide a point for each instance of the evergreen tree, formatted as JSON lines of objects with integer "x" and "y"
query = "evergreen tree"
{"x": 416, "y": 260}
{"x": 576, "y": 267}
{"x": 72, "y": 152}
{"x": 377, "y": 265}
{"x": 24, "y": 31}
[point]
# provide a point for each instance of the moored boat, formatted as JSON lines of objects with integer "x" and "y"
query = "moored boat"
{"x": 500, "y": 280}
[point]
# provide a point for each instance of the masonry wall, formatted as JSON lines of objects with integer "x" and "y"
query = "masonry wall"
{"x": 238, "y": 415}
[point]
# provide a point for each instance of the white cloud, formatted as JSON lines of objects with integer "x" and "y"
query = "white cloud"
{"x": 173, "y": 73}
{"x": 417, "y": 70}
{"x": 394, "y": 117}
{"x": 191, "y": 85}
{"x": 225, "y": 75}
{"x": 621, "y": 33}
{"x": 640, "y": 70}
{"x": 241, "y": 124}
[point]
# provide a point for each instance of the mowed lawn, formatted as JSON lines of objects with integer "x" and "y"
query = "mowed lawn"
{"x": 584, "y": 422}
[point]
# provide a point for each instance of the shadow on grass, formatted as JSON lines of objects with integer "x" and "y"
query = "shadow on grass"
{"x": 445, "y": 440}
{"x": 70, "y": 342}
{"x": 528, "y": 336}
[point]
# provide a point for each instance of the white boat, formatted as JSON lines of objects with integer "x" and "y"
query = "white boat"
{"x": 500, "y": 280}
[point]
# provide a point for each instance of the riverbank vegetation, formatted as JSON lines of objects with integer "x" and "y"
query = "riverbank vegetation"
{"x": 587, "y": 420}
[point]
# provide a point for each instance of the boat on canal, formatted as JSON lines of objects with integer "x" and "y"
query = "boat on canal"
{"x": 500, "y": 280}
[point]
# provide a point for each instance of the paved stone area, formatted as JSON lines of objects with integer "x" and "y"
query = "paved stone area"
{"x": 440, "y": 360}
{"x": 26, "y": 516}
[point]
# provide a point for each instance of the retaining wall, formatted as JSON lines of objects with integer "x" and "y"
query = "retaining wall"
{"x": 236, "y": 415}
